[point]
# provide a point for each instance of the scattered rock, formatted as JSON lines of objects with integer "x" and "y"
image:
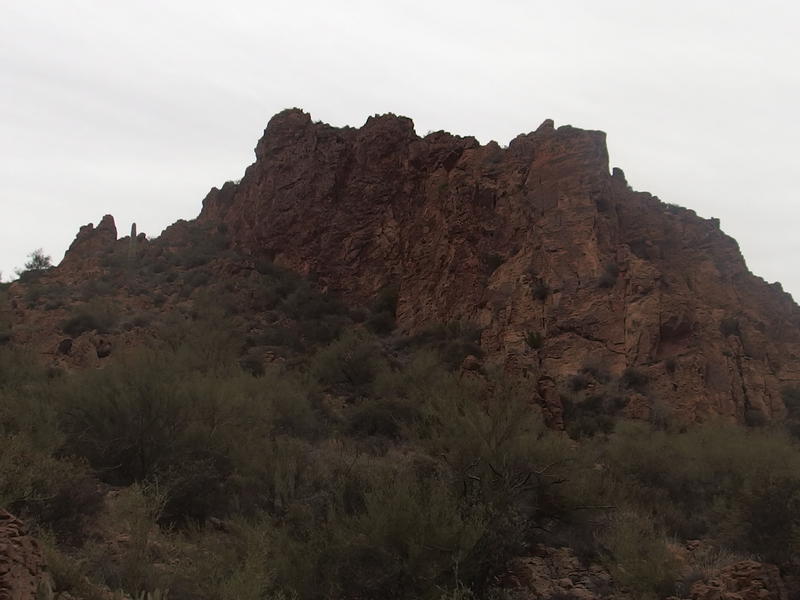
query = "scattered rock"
{"x": 22, "y": 567}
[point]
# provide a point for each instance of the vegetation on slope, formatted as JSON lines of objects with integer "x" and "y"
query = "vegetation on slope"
{"x": 310, "y": 452}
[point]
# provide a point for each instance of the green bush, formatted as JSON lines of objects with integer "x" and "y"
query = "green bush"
{"x": 452, "y": 341}
{"x": 609, "y": 276}
{"x": 534, "y": 339}
{"x": 638, "y": 557}
{"x": 386, "y": 418}
{"x": 125, "y": 419}
{"x": 93, "y": 316}
{"x": 634, "y": 379}
{"x": 56, "y": 493}
{"x": 729, "y": 326}
{"x": 540, "y": 290}
{"x": 351, "y": 363}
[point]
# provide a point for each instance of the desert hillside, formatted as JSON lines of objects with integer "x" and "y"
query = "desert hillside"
{"x": 389, "y": 366}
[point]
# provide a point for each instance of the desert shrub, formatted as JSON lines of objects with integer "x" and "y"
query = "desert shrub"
{"x": 578, "y": 382}
{"x": 51, "y": 295}
{"x": 385, "y": 418}
{"x": 407, "y": 536}
{"x": 133, "y": 512}
{"x": 351, "y": 363}
{"x": 95, "y": 288}
{"x": 540, "y": 290}
{"x": 277, "y": 336}
{"x": 194, "y": 482}
{"x": 492, "y": 262}
{"x": 590, "y": 415}
{"x": 609, "y": 276}
{"x": 59, "y": 494}
{"x": 383, "y": 310}
{"x": 634, "y": 379}
{"x": 729, "y": 326}
{"x": 322, "y": 330}
{"x": 452, "y": 341}
{"x": 768, "y": 519}
{"x": 125, "y": 419}
{"x": 791, "y": 400}
{"x": 252, "y": 362}
{"x": 38, "y": 263}
{"x": 92, "y": 316}
{"x": 196, "y": 278}
{"x": 534, "y": 339}
{"x": 381, "y": 323}
{"x": 307, "y": 303}
{"x": 638, "y": 557}
{"x": 713, "y": 479}
{"x": 204, "y": 244}
{"x": 502, "y": 457}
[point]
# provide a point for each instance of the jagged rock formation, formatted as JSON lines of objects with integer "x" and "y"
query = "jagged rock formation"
{"x": 561, "y": 264}
{"x": 534, "y": 241}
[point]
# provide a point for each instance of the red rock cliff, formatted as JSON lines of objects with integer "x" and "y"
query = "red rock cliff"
{"x": 536, "y": 238}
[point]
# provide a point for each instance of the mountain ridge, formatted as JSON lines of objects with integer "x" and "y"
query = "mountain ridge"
{"x": 555, "y": 258}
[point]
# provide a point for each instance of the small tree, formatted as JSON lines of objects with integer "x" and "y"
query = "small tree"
{"x": 38, "y": 261}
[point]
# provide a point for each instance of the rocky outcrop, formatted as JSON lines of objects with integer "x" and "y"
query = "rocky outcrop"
{"x": 745, "y": 580}
{"x": 536, "y": 239}
{"x": 90, "y": 244}
{"x": 22, "y": 568}
{"x": 558, "y": 573}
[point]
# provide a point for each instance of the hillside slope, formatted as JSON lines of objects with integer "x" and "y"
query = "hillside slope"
{"x": 565, "y": 270}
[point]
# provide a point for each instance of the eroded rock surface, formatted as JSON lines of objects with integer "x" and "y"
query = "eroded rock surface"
{"x": 536, "y": 238}
{"x": 559, "y": 262}
{"x": 22, "y": 568}
{"x": 745, "y": 580}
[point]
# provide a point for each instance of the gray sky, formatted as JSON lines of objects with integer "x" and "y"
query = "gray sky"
{"x": 138, "y": 108}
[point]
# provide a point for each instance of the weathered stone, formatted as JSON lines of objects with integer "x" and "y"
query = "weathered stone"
{"x": 603, "y": 273}
{"x": 22, "y": 568}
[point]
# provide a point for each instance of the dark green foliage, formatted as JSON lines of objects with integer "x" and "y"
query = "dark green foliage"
{"x": 578, "y": 382}
{"x": 534, "y": 339}
{"x": 540, "y": 290}
{"x": 609, "y": 276}
{"x": 52, "y": 296}
{"x": 196, "y": 278}
{"x": 363, "y": 466}
{"x": 205, "y": 243}
{"x": 385, "y": 418}
{"x": 350, "y": 364}
{"x": 125, "y": 424}
{"x": 634, "y": 379}
{"x": 791, "y": 400}
{"x": 38, "y": 261}
{"x": 453, "y": 342}
{"x": 492, "y": 262}
{"x": 91, "y": 316}
{"x": 37, "y": 264}
{"x": 729, "y": 326}
{"x": 381, "y": 320}
{"x": 95, "y": 288}
{"x": 596, "y": 413}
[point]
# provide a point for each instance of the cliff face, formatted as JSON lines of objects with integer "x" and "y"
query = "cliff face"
{"x": 558, "y": 260}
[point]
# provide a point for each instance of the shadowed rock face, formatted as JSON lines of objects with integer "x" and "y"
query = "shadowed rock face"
{"x": 536, "y": 238}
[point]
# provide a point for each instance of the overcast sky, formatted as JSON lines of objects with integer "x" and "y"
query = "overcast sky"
{"x": 138, "y": 108}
